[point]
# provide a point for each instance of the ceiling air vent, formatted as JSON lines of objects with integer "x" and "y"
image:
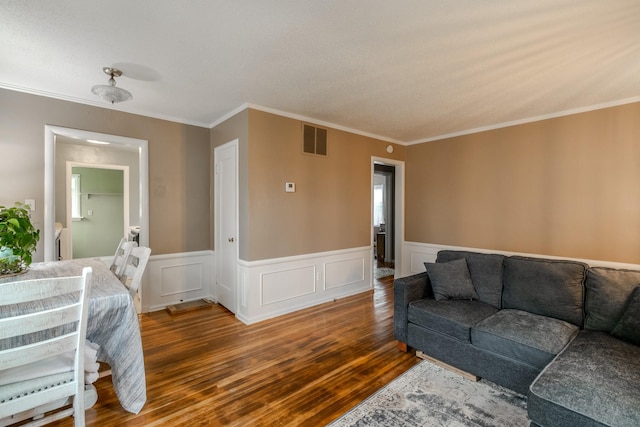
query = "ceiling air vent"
{"x": 314, "y": 140}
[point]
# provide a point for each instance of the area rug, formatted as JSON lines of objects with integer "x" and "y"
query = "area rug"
{"x": 383, "y": 272}
{"x": 428, "y": 395}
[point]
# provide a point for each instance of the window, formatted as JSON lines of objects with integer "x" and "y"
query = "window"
{"x": 76, "y": 208}
{"x": 378, "y": 205}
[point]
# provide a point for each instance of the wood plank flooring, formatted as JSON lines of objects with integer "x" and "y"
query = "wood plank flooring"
{"x": 205, "y": 368}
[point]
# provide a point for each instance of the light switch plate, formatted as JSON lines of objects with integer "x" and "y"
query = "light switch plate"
{"x": 290, "y": 187}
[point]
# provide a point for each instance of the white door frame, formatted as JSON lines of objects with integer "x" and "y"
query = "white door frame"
{"x": 141, "y": 146}
{"x": 398, "y": 240}
{"x": 219, "y": 238}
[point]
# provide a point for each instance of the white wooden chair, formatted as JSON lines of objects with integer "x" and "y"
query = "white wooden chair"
{"x": 51, "y": 368}
{"x": 122, "y": 253}
{"x": 128, "y": 265}
{"x": 133, "y": 268}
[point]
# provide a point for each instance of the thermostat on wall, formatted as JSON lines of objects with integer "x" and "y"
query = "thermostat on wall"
{"x": 290, "y": 187}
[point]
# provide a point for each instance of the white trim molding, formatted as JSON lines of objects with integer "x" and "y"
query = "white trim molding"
{"x": 416, "y": 254}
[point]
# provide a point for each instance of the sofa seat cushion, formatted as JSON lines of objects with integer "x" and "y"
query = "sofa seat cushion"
{"x": 527, "y": 337}
{"x": 450, "y": 317}
{"x": 595, "y": 381}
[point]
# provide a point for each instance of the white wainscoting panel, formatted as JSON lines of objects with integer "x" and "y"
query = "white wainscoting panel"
{"x": 287, "y": 284}
{"x": 180, "y": 279}
{"x": 344, "y": 272}
{"x": 175, "y": 278}
{"x": 266, "y": 288}
{"x": 269, "y": 288}
{"x": 243, "y": 287}
{"x": 418, "y": 253}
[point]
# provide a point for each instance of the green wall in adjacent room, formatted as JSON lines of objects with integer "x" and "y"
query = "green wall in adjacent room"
{"x": 102, "y": 204}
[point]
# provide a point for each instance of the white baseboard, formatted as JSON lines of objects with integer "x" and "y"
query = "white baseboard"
{"x": 416, "y": 254}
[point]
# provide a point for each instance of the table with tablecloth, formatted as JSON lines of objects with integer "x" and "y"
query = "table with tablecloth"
{"x": 113, "y": 325}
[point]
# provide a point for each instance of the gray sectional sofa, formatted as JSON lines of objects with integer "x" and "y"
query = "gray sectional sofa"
{"x": 563, "y": 333}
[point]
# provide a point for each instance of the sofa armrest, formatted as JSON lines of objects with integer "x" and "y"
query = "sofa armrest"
{"x": 406, "y": 290}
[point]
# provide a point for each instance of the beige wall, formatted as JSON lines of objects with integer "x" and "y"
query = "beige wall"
{"x": 568, "y": 186}
{"x": 179, "y": 164}
{"x": 331, "y": 208}
{"x": 565, "y": 187}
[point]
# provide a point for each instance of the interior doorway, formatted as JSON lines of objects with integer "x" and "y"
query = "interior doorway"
{"x": 384, "y": 220}
{"x": 392, "y": 172}
{"x": 97, "y": 211}
{"x": 139, "y": 209}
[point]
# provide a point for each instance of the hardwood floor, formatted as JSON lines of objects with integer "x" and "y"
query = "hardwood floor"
{"x": 205, "y": 368}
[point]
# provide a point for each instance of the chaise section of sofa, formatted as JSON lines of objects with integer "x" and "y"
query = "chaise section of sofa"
{"x": 595, "y": 381}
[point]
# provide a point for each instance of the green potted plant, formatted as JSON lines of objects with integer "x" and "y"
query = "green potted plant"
{"x": 18, "y": 239}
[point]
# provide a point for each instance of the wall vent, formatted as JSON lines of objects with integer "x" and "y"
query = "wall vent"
{"x": 314, "y": 140}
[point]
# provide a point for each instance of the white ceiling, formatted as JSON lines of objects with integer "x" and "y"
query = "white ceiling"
{"x": 406, "y": 71}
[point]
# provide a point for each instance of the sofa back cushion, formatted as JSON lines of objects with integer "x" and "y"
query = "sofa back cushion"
{"x": 547, "y": 287}
{"x": 485, "y": 271}
{"x": 608, "y": 292}
{"x": 628, "y": 327}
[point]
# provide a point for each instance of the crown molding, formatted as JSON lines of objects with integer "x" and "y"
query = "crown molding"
{"x": 571, "y": 112}
{"x": 125, "y": 109}
{"x": 302, "y": 118}
{"x": 115, "y": 107}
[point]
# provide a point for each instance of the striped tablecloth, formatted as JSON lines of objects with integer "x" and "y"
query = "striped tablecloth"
{"x": 113, "y": 325}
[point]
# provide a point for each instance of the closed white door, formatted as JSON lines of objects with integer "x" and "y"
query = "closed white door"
{"x": 226, "y": 221}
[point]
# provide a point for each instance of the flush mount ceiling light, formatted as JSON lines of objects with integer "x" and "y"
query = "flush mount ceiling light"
{"x": 110, "y": 92}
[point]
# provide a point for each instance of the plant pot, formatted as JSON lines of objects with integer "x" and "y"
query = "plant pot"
{"x": 18, "y": 239}
{"x": 4, "y": 276}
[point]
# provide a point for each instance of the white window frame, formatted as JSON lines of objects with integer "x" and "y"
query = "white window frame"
{"x": 378, "y": 205}
{"x": 76, "y": 197}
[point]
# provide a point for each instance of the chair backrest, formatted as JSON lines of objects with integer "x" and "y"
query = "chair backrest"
{"x": 45, "y": 320}
{"x": 122, "y": 253}
{"x": 133, "y": 268}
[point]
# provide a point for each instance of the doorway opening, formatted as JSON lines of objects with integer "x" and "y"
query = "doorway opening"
{"x": 384, "y": 220}
{"x": 139, "y": 208}
{"x": 97, "y": 212}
